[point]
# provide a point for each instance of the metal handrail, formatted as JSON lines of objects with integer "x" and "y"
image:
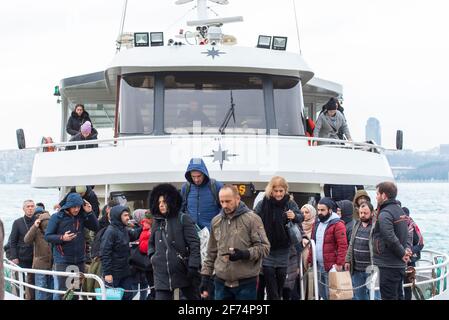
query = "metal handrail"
{"x": 345, "y": 144}
{"x": 315, "y": 269}
{"x": 445, "y": 274}
{"x": 21, "y": 271}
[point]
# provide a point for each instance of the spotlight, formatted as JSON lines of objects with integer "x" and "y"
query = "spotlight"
{"x": 157, "y": 39}
{"x": 279, "y": 43}
{"x": 264, "y": 42}
{"x": 141, "y": 39}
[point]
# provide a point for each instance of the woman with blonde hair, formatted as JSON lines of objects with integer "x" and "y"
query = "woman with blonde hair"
{"x": 276, "y": 209}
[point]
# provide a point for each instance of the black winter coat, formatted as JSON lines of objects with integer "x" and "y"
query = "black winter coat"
{"x": 340, "y": 192}
{"x": 18, "y": 248}
{"x": 75, "y": 122}
{"x": 115, "y": 250}
{"x": 390, "y": 236}
{"x": 170, "y": 264}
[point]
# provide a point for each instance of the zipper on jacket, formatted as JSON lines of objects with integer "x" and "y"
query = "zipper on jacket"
{"x": 166, "y": 253}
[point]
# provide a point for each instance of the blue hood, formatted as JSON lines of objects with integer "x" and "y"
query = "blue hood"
{"x": 197, "y": 164}
{"x": 73, "y": 200}
{"x": 116, "y": 215}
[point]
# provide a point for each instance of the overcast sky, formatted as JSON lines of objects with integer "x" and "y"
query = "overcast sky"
{"x": 390, "y": 56}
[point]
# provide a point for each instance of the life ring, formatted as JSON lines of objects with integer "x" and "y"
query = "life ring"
{"x": 48, "y": 140}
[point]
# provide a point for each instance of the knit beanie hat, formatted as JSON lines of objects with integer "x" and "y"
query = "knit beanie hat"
{"x": 331, "y": 104}
{"x": 328, "y": 202}
{"x": 86, "y": 128}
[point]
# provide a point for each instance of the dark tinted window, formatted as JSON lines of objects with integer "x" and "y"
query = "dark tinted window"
{"x": 136, "y": 104}
{"x": 205, "y": 99}
{"x": 288, "y": 105}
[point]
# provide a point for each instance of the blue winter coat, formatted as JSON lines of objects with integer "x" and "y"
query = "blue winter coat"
{"x": 201, "y": 204}
{"x": 71, "y": 252}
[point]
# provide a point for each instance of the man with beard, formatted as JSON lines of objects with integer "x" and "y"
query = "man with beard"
{"x": 236, "y": 247}
{"x": 329, "y": 233}
{"x": 390, "y": 237}
{"x": 359, "y": 258}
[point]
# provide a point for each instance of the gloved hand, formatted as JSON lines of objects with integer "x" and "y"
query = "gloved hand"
{"x": 205, "y": 283}
{"x": 239, "y": 255}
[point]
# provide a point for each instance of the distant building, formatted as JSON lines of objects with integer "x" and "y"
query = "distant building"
{"x": 444, "y": 149}
{"x": 372, "y": 131}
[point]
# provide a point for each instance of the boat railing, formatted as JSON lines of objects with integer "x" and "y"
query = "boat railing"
{"x": 441, "y": 281}
{"x": 111, "y": 142}
{"x": 21, "y": 283}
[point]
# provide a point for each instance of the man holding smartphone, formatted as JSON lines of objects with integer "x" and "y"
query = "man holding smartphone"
{"x": 65, "y": 231}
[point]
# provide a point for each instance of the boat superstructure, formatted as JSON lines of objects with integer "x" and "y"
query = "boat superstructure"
{"x": 255, "y": 101}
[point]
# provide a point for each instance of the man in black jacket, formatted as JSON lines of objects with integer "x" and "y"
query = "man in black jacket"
{"x": 390, "y": 236}
{"x": 21, "y": 253}
{"x": 115, "y": 251}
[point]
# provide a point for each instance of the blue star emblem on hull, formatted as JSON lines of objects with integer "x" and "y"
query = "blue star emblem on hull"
{"x": 221, "y": 156}
{"x": 213, "y": 53}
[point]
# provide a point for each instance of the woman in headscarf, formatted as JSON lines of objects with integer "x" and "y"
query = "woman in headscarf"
{"x": 276, "y": 209}
{"x": 309, "y": 213}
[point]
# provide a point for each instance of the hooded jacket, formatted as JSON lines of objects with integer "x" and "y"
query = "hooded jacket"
{"x": 70, "y": 252}
{"x": 244, "y": 230}
{"x": 359, "y": 194}
{"x": 174, "y": 245}
{"x": 347, "y": 211}
{"x": 335, "y": 244}
{"x": 43, "y": 258}
{"x": 115, "y": 250}
{"x": 89, "y": 196}
{"x": 75, "y": 122}
{"x": 18, "y": 248}
{"x": 201, "y": 204}
{"x": 390, "y": 235}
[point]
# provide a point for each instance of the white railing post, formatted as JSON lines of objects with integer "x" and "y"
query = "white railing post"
{"x": 315, "y": 270}
{"x": 301, "y": 275}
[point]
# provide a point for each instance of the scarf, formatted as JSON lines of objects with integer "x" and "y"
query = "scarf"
{"x": 274, "y": 221}
{"x": 307, "y": 225}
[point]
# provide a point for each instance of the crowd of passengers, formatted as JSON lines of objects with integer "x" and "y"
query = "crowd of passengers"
{"x": 160, "y": 253}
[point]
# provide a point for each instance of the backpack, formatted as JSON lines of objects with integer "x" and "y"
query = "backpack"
{"x": 212, "y": 186}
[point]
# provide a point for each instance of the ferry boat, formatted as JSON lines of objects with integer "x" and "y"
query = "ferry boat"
{"x": 254, "y": 102}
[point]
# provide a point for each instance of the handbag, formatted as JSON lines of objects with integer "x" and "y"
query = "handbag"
{"x": 139, "y": 260}
{"x": 295, "y": 236}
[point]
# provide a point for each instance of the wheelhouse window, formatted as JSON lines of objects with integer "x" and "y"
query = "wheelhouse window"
{"x": 288, "y": 105}
{"x": 136, "y": 104}
{"x": 211, "y": 103}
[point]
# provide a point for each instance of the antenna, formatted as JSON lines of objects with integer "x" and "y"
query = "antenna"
{"x": 297, "y": 27}
{"x": 122, "y": 25}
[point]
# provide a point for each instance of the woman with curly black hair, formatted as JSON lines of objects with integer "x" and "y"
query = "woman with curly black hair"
{"x": 174, "y": 246}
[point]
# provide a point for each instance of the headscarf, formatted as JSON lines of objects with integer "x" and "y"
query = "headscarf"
{"x": 307, "y": 225}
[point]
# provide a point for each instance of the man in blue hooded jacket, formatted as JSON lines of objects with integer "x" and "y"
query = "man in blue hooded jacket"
{"x": 65, "y": 231}
{"x": 200, "y": 194}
